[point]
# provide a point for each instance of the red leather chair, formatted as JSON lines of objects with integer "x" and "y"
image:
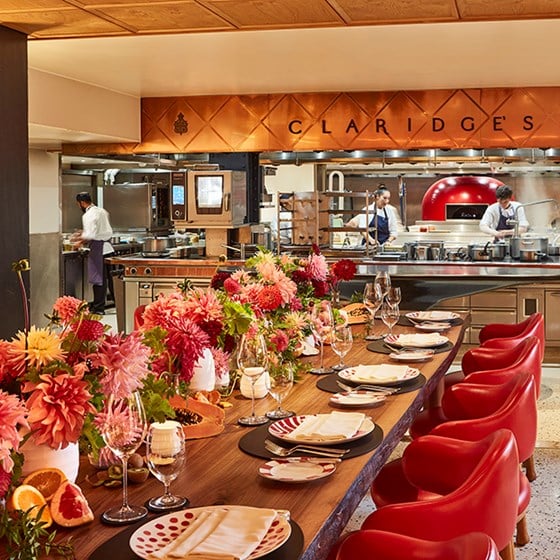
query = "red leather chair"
{"x": 515, "y": 409}
{"x": 446, "y": 487}
{"x": 138, "y": 316}
{"x": 501, "y": 365}
{"x": 379, "y": 545}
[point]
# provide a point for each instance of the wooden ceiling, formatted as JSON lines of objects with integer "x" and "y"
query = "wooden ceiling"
{"x": 55, "y": 19}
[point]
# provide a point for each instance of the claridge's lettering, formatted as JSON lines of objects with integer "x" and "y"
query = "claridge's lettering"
{"x": 437, "y": 124}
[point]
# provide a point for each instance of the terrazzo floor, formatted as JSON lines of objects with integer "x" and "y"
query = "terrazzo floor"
{"x": 543, "y": 516}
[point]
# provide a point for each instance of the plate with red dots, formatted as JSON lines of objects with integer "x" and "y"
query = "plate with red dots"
{"x": 154, "y": 535}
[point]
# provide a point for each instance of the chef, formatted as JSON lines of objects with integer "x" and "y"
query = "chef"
{"x": 96, "y": 233}
{"x": 381, "y": 216}
{"x": 495, "y": 220}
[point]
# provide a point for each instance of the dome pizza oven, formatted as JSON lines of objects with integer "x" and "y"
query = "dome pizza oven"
{"x": 459, "y": 198}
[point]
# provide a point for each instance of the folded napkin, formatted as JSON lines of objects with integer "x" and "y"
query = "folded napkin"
{"x": 381, "y": 372}
{"x": 432, "y": 315}
{"x": 335, "y": 426}
{"x": 419, "y": 339}
{"x": 220, "y": 534}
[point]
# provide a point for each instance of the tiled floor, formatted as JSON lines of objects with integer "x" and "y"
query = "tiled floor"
{"x": 543, "y": 516}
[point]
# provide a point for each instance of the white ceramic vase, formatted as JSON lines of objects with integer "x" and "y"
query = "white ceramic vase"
{"x": 204, "y": 377}
{"x": 42, "y": 456}
{"x": 261, "y": 386}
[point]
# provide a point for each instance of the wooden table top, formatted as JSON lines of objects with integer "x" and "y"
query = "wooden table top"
{"x": 218, "y": 472}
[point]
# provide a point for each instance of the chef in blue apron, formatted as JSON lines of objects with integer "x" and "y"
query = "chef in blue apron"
{"x": 96, "y": 235}
{"x": 379, "y": 217}
{"x": 496, "y": 220}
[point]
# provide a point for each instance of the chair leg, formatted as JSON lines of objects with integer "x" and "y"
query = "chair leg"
{"x": 522, "y": 534}
{"x": 508, "y": 553}
{"x": 529, "y": 466}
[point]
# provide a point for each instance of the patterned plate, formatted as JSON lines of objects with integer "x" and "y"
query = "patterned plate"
{"x": 357, "y": 399}
{"x": 155, "y": 534}
{"x": 416, "y": 341}
{"x": 432, "y": 316}
{"x": 433, "y": 327}
{"x": 412, "y": 355}
{"x": 283, "y": 428}
{"x": 297, "y": 469}
{"x": 352, "y": 375}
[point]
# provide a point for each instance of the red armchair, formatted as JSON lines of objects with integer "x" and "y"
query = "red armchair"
{"x": 448, "y": 487}
{"x": 379, "y": 545}
{"x": 495, "y": 369}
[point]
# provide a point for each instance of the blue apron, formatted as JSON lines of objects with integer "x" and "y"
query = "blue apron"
{"x": 502, "y": 222}
{"x": 382, "y": 227}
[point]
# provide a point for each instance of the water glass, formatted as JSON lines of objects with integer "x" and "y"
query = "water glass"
{"x": 280, "y": 383}
{"x": 390, "y": 315}
{"x": 373, "y": 298}
{"x": 252, "y": 360}
{"x": 322, "y": 322}
{"x": 124, "y": 428}
{"x": 394, "y": 295}
{"x": 383, "y": 280}
{"x": 165, "y": 455}
{"x": 341, "y": 344}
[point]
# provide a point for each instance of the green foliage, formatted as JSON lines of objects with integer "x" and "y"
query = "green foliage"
{"x": 237, "y": 317}
{"x": 155, "y": 393}
{"x": 25, "y": 538}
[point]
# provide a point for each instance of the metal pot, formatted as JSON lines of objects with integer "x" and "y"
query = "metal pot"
{"x": 479, "y": 252}
{"x": 530, "y": 255}
{"x": 498, "y": 251}
{"x": 554, "y": 250}
{"x": 457, "y": 255}
{"x": 539, "y": 244}
{"x": 155, "y": 244}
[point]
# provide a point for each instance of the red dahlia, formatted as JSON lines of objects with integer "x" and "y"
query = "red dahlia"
{"x": 269, "y": 298}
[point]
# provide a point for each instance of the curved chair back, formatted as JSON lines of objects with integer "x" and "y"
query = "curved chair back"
{"x": 379, "y": 545}
{"x": 472, "y": 487}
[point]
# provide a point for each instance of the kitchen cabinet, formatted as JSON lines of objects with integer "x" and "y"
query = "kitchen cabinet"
{"x": 552, "y": 315}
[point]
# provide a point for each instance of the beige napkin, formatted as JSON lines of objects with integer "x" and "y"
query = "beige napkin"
{"x": 420, "y": 339}
{"x": 432, "y": 315}
{"x": 220, "y": 534}
{"x": 335, "y": 426}
{"x": 381, "y": 372}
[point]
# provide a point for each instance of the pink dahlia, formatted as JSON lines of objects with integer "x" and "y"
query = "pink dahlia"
{"x": 160, "y": 312}
{"x": 124, "y": 360}
{"x": 67, "y": 308}
{"x": 5, "y": 479}
{"x": 279, "y": 341}
{"x": 57, "y": 407}
{"x": 317, "y": 267}
{"x": 203, "y": 305}
{"x": 232, "y": 286}
{"x": 5, "y": 367}
{"x": 12, "y": 416}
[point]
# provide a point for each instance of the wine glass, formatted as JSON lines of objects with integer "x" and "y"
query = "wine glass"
{"x": 252, "y": 360}
{"x": 373, "y": 298}
{"x": 165, "y": 454}
{"x": 341, "y": 344}
{"x": 390, "y": 315}
{"x": 394, "y": 295}
{"x": 123, "y": 430}
{"x": 280, "y": 383}
{"x": 321, "y": 326}
{"x": 383, "y": 280}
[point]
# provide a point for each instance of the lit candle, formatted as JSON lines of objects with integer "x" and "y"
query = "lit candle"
{"x": 165, "y": 437}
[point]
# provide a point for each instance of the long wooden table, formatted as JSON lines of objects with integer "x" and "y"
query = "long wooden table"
{"x": 218, "y": 472}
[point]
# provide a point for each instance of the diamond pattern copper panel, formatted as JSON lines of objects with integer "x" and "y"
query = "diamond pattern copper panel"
{"x": 470, "y": 118}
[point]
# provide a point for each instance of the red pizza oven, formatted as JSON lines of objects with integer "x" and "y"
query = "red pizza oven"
{"x": 463, "y": 197}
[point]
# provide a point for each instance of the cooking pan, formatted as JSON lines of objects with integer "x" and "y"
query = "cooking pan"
{"x": 479, "y": 252}
{"x": 539, "y": 244}
{"x": 530, "y": 255}
{"x": 155, "y": 244}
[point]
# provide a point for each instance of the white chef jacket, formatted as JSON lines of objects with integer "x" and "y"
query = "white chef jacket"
{"x": 491, "y": 217}
{"x": 97, "y": 227}
{"x": 359, "y": 221}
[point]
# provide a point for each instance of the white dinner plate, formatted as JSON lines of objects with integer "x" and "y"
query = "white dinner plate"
{"x": 432, "y": 327}
{"x": 297, "y": 469}
{"x": 359, "y": 374}
{"x": 158, "y": 532}
{"x": 283, "y": 428}
{"x": 432, "y": 316}
{"x": 416, "y": 341}
{"x": 357, "y": 399}
{"x": 412, "y": 355}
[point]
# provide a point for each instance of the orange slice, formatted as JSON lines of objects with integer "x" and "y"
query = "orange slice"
{"x": 28, "y": 498}
{"x": 47, "y": 481}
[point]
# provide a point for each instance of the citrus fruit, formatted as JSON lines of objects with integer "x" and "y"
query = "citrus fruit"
{"x": 69, "y": 507}
{"x": 47, "y": 481}
{"x": 28, "y": 498}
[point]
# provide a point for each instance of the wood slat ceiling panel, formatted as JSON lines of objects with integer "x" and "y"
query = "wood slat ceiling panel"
{"x": 82, "y": 18}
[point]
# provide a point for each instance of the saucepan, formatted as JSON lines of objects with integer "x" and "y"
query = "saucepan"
{"x": 530, "y": 255}
{"x": 479, "y": 252}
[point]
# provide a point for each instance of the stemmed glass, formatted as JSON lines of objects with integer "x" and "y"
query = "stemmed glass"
{"x": 321, "y": 326}
{"x": 280, "y": 383}
{"x": 124, "y": 429}
{"x": 165, "y": 454}
{"x": 394, "y": 295}
{"x": 341, "y": 344}
{"x": 252, "y": 360}
{"x": 383, "y": 280}
{"x": 390, "y": 315}
{"x": 373, "y": 298}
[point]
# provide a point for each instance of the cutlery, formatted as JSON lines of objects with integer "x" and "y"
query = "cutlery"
{"x": 400, "y": 349}
{"x": 280, "y": 451}
{"x": 366, "y": 387}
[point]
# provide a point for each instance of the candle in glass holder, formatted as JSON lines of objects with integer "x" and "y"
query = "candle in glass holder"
{"x": 164, "y": 437}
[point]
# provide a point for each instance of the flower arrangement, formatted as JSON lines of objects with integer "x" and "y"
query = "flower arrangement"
{"x": 53, "y": 380}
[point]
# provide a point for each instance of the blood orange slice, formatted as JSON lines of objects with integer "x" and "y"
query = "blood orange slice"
{"x": 47, "y": 481}
{"x": 69, "y": 507}
{"x": 28, "y": 498}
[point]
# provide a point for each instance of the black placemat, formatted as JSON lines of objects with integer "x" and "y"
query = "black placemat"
{"x": 253, "y": 443}
{"x": 328, "y": 384}
{"x": 117, "y": 546}
{"x": 379, "y": 347}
